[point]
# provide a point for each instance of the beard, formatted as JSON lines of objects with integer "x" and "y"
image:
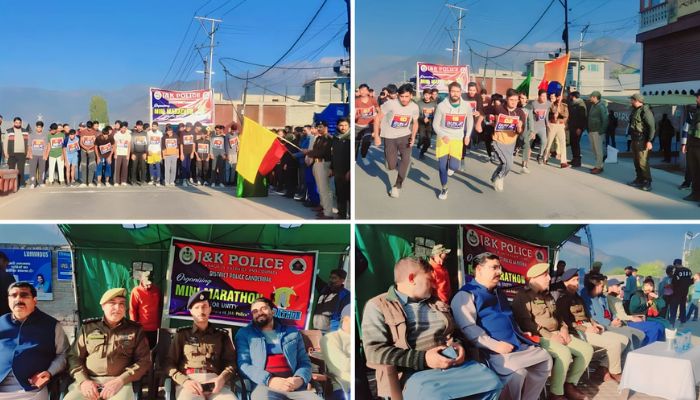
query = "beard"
{"x": 261, "y": 321}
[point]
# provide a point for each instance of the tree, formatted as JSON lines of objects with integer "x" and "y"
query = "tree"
{"x": 98, "y": 109}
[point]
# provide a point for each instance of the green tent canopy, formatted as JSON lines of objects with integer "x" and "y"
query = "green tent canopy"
{"x": 104, "y": 254}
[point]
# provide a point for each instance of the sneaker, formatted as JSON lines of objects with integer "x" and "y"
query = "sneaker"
{"x": 565, "y": 165}
{"x": 123, "y": 183}
{"x": 108, "y": 184}
{"x": 443, "y": 194}
{"x": 684, "y": 185}
{"x": 31, "y": 186}
{"x": 498, "y": 184}
{"x": 221, "y": 185}
{"x": 279, "y": 192}
{"x": 91, "y": 185}
{"x": 596, "y": 171}
{"x": 635, "y": 183}
{"x": 646, "y": 186}
{"x": 82, "y": 185}
{"x": 525, "y": 170}
{"x": 191, "y": 181}
{"x": 206, "y": 183}
{"x": 394, "y": 192}
{"x": 185, "y": 183}
{"x": 298, "y": 197}
{"x": 157, "y": 184}
{"x": 450, "y": 172}
{"x": 691, "y": 197}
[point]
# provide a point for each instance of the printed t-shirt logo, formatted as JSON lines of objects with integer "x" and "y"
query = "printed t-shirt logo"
{"x": 454, "y": 121}
{"x": 203, "y": 148}
{"x": 72, "y": 146}
{"x": 56, "y": 143}
{"x": 37, "y": 145}
{"x": 233, "y": 141}
{"x": 539, "y": 114}
{"x": 187, "y": 139}
{"x": 170, "y": 143}
{"x": 506, "y": 123}
{"x": 140, "y": 140}
{"x": 472, "y": 105}
{"x": 105, "y": 148}
{"x": 123, "y": 144}
{"x": 400, "y": 121}
{"x": 155, "y": 140}
{"x": 218, "y": 143}
{"x": 366, "y": 112}
{"x": 428, "y": 112}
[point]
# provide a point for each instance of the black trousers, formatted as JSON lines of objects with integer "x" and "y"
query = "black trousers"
{"x": 342, "y": 193}
{"x": 666, "y": 146}
{"x": 575, "y": 141}
{"x": 17, "y": 160}
{"x": 425, "y": 131}
{"x": 218, "y": 170}
{"x": 692, "y": 167}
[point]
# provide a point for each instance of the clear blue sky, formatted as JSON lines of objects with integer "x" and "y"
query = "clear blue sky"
{"x": 65, "y": 45}
{"x": 388, "y": 31}
{"x": 643, "y": 243}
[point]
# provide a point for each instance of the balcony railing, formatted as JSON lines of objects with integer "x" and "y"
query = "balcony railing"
{"x": 654, "y": 17}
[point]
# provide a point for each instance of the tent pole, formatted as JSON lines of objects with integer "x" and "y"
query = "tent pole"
{"x": 460, "y": 255}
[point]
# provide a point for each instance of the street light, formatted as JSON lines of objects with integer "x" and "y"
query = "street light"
{"x": 688, "y": 242}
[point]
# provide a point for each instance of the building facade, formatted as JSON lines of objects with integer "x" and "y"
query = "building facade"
{"x": 669, "y": 31}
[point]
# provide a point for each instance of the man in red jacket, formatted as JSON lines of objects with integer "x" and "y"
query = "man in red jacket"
{"x": 145, "y": 306}
{"x": 440, "y": 274}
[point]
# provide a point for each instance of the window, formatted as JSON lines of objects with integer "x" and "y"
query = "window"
{"x": 593, "y": 67}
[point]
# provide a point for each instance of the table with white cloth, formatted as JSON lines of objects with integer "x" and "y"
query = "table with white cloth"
{"x": 656, "y": 371}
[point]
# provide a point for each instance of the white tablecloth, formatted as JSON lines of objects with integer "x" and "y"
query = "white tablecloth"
{"x": 658, "y": 372}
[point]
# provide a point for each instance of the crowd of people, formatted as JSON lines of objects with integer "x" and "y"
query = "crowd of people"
{"x": 478, "y": 343}
{"x": 510, "y": 126}
{"x": 113, "y": 352}
{"x": 315, "y": 169}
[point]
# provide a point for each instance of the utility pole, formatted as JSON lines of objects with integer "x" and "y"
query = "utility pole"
{"x": 459, "y": 29}
{"x": 580, "y": 45}
{"x": 245, "y": 93}
{"x": 565, "y": 35}
{"x": 208, "y": 72}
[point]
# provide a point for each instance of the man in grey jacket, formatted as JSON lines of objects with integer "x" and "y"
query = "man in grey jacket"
{"x": 597, "y": 126}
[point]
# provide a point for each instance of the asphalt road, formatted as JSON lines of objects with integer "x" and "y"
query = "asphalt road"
{"x": 146, "y": 203}
{"x": 547, "y": 193}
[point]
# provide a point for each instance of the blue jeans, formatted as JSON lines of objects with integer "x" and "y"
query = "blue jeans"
{"x": 154, "y": 170}
{"x": 692, "y": 311}
{"x": 102, "y": 164}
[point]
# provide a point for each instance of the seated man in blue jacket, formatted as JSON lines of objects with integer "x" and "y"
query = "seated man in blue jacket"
{"x": 33, "y": 346}
{"x": 597, "y": 307}
{"x": 273, "y": 356}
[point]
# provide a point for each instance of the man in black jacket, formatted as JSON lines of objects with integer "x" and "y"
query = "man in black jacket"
{"x": 340, "y": 164}
{"x": 578, "y": 119}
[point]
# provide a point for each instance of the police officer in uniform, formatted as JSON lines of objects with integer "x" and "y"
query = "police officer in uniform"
{"x": 571, "y": 310}
{"x": 691, "y": 147}
{"x": 642, "y": 129}
{"x": 109, "y": 353}
{"x": 201, "y": 359}
{"x": 534, "y": 311}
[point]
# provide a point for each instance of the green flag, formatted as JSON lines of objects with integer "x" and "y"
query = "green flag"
{"x": 524, "y": 87}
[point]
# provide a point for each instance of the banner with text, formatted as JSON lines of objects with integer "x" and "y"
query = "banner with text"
{"x": 235, "y": 277}
{"x": 33, "y": 266}
{"x": 174, "y": 107}
{"x": 64, "y": 260}
{"x": 431, "y": 76}
{"x": 516, "y": 256}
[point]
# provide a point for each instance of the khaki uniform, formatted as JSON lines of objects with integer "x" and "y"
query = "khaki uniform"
{"x": 101, "y": 353}
{"x": 571, "y": 310}
{"x": 201, "y": 356}
{"x": 558, "y": 115}
{"x": 535, "y": 313}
